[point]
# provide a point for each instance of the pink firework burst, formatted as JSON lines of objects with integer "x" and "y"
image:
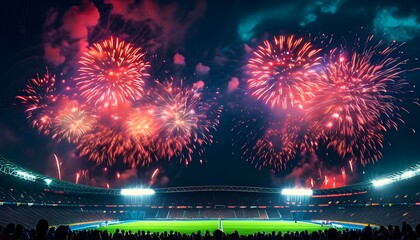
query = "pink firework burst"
{"x": 111, "y": 72}
{"x": 358, "y": 100}
{"x": 107, "y": 145}
{"x": 72, "y": 122}
{"x": 281, "y": 72}
{"x": 187, "y": 120}
{"x": 39, "y": 97}
{"x": 272, "y": 150}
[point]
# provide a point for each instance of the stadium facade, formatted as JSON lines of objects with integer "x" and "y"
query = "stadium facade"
{"x": 27, "y": 196}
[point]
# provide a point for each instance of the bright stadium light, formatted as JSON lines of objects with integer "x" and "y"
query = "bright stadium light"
{"x": 48, "y": 181}
{"x": 296, "y": 192}
{"x": 137, "y": 191}
{"x": 25, "y": 175}
{"x": 381, "y": 182}
{"x": 408, "y": 174}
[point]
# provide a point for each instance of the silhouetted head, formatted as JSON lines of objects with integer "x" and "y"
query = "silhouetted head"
{"x": 42, "y": 229}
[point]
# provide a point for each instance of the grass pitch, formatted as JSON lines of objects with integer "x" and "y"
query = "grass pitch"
{"x": 244, "y": 227}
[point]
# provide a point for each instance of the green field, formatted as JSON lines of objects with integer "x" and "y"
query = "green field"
{"x": 229, "y": 226}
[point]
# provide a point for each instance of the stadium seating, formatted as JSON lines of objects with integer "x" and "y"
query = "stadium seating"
{"x": 25, "y": 202}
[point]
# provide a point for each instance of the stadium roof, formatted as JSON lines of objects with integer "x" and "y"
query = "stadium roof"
{"x": 9, "y": 168}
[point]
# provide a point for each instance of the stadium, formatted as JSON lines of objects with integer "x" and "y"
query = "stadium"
{"x": 210, "y": 120}
{"x": 28, "y": 196}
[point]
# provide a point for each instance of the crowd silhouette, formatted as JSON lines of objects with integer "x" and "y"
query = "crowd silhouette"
{"x": 43, "y": 231}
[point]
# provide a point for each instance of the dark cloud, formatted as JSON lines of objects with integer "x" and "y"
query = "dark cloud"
{"x": 167, "y": 22}
{"x": 53, "y": 54}
{"x": 395, "y": 26}
{"x": 233, "y": 84}
{"x": 71, "y": 36}
{"x": 312, "y": 172}
{"x": 8, "y": 136}
{"x": 199, "y": 84}
{"x": 202, "y": 69}
{"x": 179, "y": 59}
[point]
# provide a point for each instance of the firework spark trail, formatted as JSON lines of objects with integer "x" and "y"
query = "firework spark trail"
{"x": 281, "y": 73}
{"x": 39, "y": 97}
{"x": 351, "y": 165}
{"x": 77, "y": 178}
{"x": 152, "y": 178}
{"x": 111, "y": 72}
{"x": 57, "y": 162}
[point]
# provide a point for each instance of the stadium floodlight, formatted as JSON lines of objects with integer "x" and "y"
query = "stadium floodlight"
{"x": 137, "y": 191}
{"x": 48, "y": 181}
{"x": 407, "y": 174}
{"x": 381, "y": 182}
{"x": 296, "y": 192}
{"x": 26, "y": 176}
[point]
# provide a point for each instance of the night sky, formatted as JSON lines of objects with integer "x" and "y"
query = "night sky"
{"x": 214, "y": 34}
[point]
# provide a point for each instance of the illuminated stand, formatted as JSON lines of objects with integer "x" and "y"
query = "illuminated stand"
{"x": 410, "y": 173}
{"x": 297, "y": 197}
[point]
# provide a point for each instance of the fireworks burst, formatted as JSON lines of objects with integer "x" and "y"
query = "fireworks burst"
{"x": 357, "y": 102}
{"x": 72, "y": 122}
{"x": 353, "y": 101}
{"x": 142, "y": 124}
{"x": 299, "y": 133}
{"x": 187, "y": 120}
{"x": 107, "y": 145}
{"x": 111, "y": 72}
{"x": 39, "y": 97}
{"x": 282, "y": 71}
{"x": 272, "y": 150}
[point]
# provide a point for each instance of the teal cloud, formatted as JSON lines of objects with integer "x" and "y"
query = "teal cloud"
{"x": 308, "y": 19}
{"x": 329, "y": 6}
{"x": 396, "y": 27}
{"x": 247, "y": 25}
{"x": 299, "y": 12}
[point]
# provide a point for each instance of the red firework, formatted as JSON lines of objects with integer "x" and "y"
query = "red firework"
{"x": 111, "y": 72}
{"x": 108, "y": 145}
{"x": 142, "y": 124}
{"x": 272, "y": 150}
{"x": 187, "y": 120}
{"x": 39, "y": 97}
{"x": 72, "y": 121}
{"x": 281, "y": 72}
{"x": 358, "y": 101}
{"x": 283, "y": 141}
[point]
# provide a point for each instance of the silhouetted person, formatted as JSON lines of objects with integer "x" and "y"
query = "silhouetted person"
{"x": 315, "y": 236}
{"x": 406, "y": 228}
{"x": 9, "y": 232}
{"x": 418, "y": 230}
{"x": 19, "y": 231}
{"x": 95, "y": 235}
{"x": 61, "y": 233}
{"x": 332, "y": 234}
{"x": 41, "y": 229}
{"x": 1, "y": 232}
